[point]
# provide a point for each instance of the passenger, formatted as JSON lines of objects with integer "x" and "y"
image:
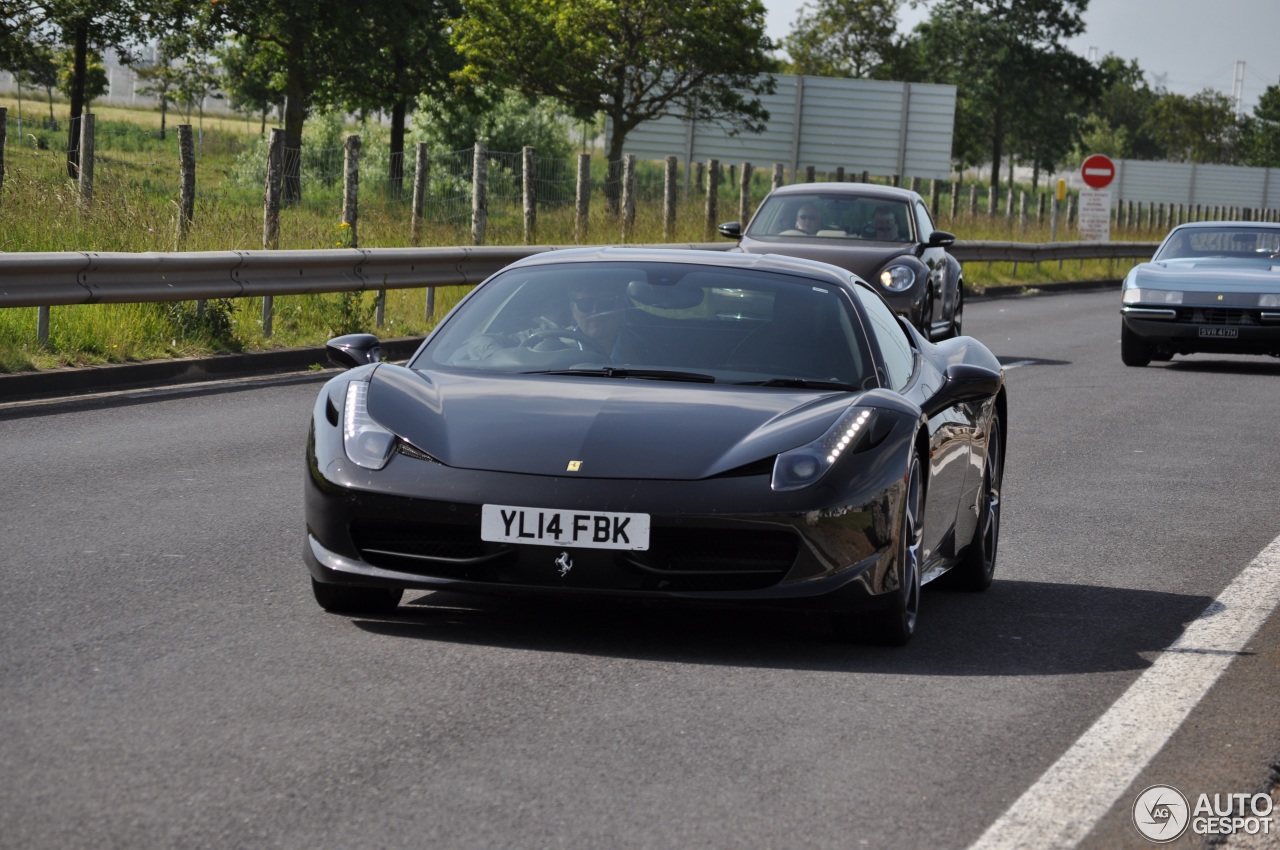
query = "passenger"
{"x": 885, "y": 224}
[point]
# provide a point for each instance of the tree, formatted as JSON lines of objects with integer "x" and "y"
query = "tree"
{"x": 633, "y": 60}
{"x": 250, "y": 76}
{"x": 39, "y": 68}
{"x": 92, "y": 77}
{"x": 1124, "y": 105}
{"x": 842, "y": 38}
{"x": 1010, "y": 64}
{"x": 507, "y": 121}
{"x": 1262, "y": 131}
{"x": 311, "y": 37}
{"x": 161, "y": 78}
{"x": 395, "y": 63}
{"x": 1200, "y": 128}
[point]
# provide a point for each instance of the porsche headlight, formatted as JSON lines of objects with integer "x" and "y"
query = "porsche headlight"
{"x": 1150, "y": 296}
{"x": 366, "y": 442}
{"x": 897, "y": 278}
{"x": 804, "y": 466}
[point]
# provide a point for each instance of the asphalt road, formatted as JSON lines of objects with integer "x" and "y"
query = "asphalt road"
{"x": 167, "y": 681}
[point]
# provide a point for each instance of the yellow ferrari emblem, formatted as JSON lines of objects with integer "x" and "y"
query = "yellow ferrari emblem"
{"x": 1219, "y": 297}
{"x": 574, "y": 466}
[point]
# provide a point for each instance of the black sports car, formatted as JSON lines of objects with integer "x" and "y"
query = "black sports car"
{"x": 883, "y": 234}
{"x": 687, "y": 425}
{"x": 1212, "y": 286}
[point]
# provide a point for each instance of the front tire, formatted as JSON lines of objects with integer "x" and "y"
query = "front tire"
{"x": 1133, "y": 351}
{"x": 957, "y": 316}
{"x": 349, "y": 599}
{"x": 926, "y": 315}
{"x": 895, "y": 625}
{"x": 978, "y": 565}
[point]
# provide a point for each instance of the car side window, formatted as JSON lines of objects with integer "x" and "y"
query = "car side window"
{"x": 924, "y": 224}
{"x": 896, "y": 350}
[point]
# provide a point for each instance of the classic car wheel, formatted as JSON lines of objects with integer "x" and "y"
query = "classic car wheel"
{"x": 978, "y": 565}
{"x": 1133, "y": 351}
{"x": 895, "y": 625}
{"x": 346, "y": 599}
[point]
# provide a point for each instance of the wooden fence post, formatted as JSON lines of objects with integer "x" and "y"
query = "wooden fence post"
{"x": 271, "y": 212}
{"x": 351, "y": 186}
{"x": 779, "y": 175}
{"x": 973, "y": 200}
{"x": 420, "y": 169}
{"x": 669, "y": 192}
{"x": 187, "y": 194}
{"x": 744, "y": 194}
{"x": 4, "y": 123}
{"x": 479, "y": 192}
{"x": 933, "y": 199}
{"x": 86, "y": 158}
{"x": 530, "y": 195}
{"x": 839, "y": 173}
{"x": 713, "y": 198}
{"x": 583, "y": 198}
{"x": 628, "y": 196}
{"x": 991, "y": 200}
{"x": 955, "y": 199}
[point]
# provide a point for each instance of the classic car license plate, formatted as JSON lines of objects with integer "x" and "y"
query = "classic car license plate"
{"x": 545, "y": 527}
{"x": 1229, "y": 333}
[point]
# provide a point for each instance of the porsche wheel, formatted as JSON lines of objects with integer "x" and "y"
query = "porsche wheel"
{"x": 978, "y": 565}
{"x": 895, "y": 625}
{"x": 926, "y": 315}
{"x": 957, "y": 316}
{"x": 347, "y": 599}
{"x": 1133, "y": 351}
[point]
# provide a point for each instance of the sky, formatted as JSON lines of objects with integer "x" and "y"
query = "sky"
{"x": 1185, "y": 46}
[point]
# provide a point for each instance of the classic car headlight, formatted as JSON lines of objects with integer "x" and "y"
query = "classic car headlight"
{"x": 1151, "y": 296}
{"x": 367, "y": 443}
{"x": 1269, "y": 300}
{"x": 802, "y": 467}
{"x": 897, "y": 278}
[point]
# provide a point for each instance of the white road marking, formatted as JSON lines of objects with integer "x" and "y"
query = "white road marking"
{"x": 1065, "y": 803}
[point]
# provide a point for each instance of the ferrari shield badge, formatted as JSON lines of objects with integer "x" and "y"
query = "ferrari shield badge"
{"x": 574, "y": 466}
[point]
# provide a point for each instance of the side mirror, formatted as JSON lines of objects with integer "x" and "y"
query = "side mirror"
{"x": 964, "y": 382}
{"x": 941, "y": 239}
{"x": 354, "y": 350}
{"x": 730, "y": 230}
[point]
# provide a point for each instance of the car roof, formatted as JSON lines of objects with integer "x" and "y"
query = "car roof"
{"x": 862, "y": 190}
{"x": 719, "y": 259}
{"x": 1197, "y": 225}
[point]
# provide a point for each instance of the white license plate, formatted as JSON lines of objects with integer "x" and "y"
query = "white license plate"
{"x": 545, "y": 527}
{"x": 1228, "y": 333}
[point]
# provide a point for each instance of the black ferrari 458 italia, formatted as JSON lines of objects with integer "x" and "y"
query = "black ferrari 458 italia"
{"x": 662, "y": 424}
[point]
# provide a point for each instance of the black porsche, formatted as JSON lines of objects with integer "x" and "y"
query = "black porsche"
{"x": 684, "y": 425}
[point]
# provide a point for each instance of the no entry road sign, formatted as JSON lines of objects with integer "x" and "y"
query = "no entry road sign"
{"x": 1098, "y": 171}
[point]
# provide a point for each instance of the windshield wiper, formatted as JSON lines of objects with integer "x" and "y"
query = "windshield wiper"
{"x": 799, "y": 383}
{"x": 623, "y": 372}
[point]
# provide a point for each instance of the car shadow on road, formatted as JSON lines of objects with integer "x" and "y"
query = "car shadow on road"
{"x": 1017, "y": 628}
{"x": 1224, "y": 367}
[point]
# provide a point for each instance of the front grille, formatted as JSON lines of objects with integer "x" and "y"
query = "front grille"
{"x": 1217, "y": 316}
{"x": 716, "y": 559}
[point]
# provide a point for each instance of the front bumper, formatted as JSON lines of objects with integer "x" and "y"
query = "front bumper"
{"x": 1179, "y": 330}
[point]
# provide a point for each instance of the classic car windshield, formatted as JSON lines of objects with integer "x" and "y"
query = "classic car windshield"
{"x": 656, "y": 320}
{"x": 832, "y": 216}
{"x": 1236, "y": 242}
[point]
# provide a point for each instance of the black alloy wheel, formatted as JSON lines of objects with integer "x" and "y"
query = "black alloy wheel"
{"x": 349, "y": 599}
{"x": 978, "y": 564}
{"x": 926, "y": 315}
{"x": 957, "y": 315}
{"x": 894, "y": 626}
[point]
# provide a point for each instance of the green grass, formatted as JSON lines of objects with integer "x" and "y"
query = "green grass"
{"x": 135, "y": 209}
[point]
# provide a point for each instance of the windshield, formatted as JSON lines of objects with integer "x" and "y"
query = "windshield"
{"x": 1236, "y": 242}
{"x": 656, "y": 321}
{"x": 832, "y": 216}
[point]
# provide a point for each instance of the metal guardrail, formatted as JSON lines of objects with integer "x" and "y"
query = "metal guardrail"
{"x": 51, "y": 279}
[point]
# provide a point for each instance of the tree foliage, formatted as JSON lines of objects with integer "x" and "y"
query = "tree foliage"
{"x": 843, "y": 38}
{"x": 1261, "y": 133}
{"x": 506, "y": 121}
{"x": 633, "y": 60}
{"x": 1199, "y": 128}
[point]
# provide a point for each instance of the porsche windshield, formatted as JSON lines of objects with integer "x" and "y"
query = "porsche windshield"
{"x": 656, "y": 321}
{"x": 843, "y": 217}
{"x": 1245, "y": 243}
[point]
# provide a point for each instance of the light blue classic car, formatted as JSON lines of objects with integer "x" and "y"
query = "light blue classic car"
{"x": 1212, "y": 286}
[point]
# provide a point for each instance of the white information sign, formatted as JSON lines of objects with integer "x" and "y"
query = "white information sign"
{"x": 1094, "y": 216}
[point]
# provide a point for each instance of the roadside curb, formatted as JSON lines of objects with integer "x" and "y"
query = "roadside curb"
{"x": 54, "y": 383}
{"x": 73, "y": 380}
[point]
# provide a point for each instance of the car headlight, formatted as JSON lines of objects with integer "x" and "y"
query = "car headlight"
{"x": 897, "y": 278}
{"x": 1269, "y": 300}
{"x": 1150, "y": 296}
{"x": 802, "y": 467}
{"x": 366, "y": 442}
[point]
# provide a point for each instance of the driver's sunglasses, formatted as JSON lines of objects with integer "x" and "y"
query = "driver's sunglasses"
{"x": 591, "y": 304}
